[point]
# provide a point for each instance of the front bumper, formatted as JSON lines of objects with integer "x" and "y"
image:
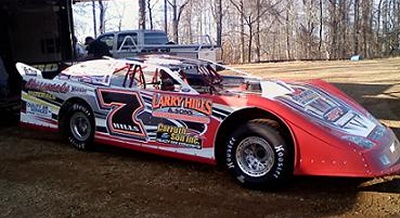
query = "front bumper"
{"x": 384, "y": 159}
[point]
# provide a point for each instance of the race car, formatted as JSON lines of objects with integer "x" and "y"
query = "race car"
{"x": 263, "y": 131}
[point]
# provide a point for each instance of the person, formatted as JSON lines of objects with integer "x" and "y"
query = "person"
{"x": 96, "y": 48}
{"x": 79, "y": 50}
{"x": 167, "y": 83}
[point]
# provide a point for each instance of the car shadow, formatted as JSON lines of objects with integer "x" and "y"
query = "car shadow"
{"x": 385, "y": 185}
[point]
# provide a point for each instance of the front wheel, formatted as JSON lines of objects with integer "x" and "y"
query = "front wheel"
{"x": 257, "y": 155}
{"x": 79, "y": 126}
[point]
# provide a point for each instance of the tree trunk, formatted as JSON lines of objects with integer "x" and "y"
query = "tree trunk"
{"x": 334, "y": 31}
{"x": 165, "y": 16}
{"x": 385, "y": 28}
{"x": 321, "y": 24}
{"x": 219, "y": 22}
{"x": 142, "y": 14}
{"x": 378, "y": 23}
{"x": 356, "y": 26}
{"x": 250, "y": 43}
{"x": 94, "y": 18}
{"x": 242, "y": 31}
{"x": 257, "y": 33}
{"x": 174, "y": 21}
{"x": 102, "y": 20}
{"x": 150, "y": 13}
{"x": 343, "y": 29}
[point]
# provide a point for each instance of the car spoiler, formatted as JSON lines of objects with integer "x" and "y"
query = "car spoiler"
{"x": 26, "y": 70}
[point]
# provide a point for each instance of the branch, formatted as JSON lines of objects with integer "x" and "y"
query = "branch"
{"x": 240, "y": 11}
{"x": 181, "y": 9}
{"x": 170, "y": 3}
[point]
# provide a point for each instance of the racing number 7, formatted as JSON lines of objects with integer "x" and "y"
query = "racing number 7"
{"x": 124, "y": 105}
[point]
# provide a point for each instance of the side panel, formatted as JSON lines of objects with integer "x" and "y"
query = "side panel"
{"x": 169, "y": 123}
{"x": 42, "y": 99}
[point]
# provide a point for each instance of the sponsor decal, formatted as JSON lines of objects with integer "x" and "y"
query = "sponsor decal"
{"x": 333, "y": 114}
{"x": 30, "y": 71}
{"x": 279, "y": 150}
{"x": 96, "y": 80}
{"x": 328, "y": 109}
{"x": 177, "y": 136}
{"x": 187, "y": 108}
{"x": 38, "y": 109}
{"x": 43, "y": 95}
{"x": 124, "y": 108}
{"x": 78, "y": 89}
{"x": 47, "y": 87}
{"x": 52, "y": 87}
{"x": 306, "y": 97}
{"x": 126, "y": 127}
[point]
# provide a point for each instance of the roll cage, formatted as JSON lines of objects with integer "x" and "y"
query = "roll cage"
{"x": 191, "y": 75}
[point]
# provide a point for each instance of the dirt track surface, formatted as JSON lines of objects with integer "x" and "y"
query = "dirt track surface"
{"x": 41, "y": 175}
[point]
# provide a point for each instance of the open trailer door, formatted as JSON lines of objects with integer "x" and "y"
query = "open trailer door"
{"x": 38, "y": 32}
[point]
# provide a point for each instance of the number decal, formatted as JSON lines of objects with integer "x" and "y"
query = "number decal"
{"x": 125, "y": 106}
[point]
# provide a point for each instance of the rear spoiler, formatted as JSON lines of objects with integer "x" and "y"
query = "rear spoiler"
{"x": 26, "y": 70}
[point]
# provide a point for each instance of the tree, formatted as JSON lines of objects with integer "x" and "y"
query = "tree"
{"x": 176, "y": 16}
{"x": 102, "y": 15}
{"x": 251, "y": 13}
{"x": 142, "y": 14}
{"x": 94, "y": 18}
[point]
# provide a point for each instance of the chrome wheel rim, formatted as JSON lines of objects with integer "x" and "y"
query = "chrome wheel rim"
{"x": 255, "y": 156}
{"x": 80, "y": 126}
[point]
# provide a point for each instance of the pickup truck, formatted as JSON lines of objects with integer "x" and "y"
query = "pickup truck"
{"x": 129, "y": 43}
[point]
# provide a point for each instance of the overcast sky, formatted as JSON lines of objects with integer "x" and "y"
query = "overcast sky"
{"x": 127, "y": 9}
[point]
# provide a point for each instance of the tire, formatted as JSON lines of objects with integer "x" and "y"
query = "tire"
{"x": 257, "y": 156}
{"x": 79, "y": 126}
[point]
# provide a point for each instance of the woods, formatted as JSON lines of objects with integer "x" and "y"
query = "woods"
{"x": 274, "y": 30}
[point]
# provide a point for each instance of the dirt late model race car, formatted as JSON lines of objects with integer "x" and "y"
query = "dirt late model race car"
{"x": 262, "y": 130}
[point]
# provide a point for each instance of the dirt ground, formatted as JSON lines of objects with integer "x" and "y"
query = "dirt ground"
{"x": 41, "y": 175}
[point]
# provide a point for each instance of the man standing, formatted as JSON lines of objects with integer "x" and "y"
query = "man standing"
{"x": 96, "y": 48}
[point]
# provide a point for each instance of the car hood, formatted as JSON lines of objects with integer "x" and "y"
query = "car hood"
{"x": 321, "y": 105}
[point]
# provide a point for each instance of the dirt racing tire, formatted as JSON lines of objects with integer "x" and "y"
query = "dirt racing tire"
{"x": 79, "y": 126}
{"x": 257, "y": 156}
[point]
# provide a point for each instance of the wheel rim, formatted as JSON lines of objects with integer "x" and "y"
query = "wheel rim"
{"x": 255, "y": 156}
{"x": 80, "y": 126}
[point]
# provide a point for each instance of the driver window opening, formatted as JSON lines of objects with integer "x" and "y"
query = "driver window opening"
{"x": 129, "y": 76}
{"x": 137, "y": 76}
{"x": 163, "y": 81}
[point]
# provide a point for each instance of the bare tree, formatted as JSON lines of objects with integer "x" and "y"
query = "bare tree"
{"x": 255, "y": 30}
{"x": 142, "y": 14}
{"x": 356, "y": 26}
{"x": 321, "y": 26}
{"x": 288, "y": 29}
{"x": 176, "y": 16}
{"x": 251, "y": 14}
{"x": 102, "y": 17}
{"x": 166, "y": 16}
{"x": 219, "y": 16}
{"x": 94, "y": 18}
{"x": 150, "y": 12}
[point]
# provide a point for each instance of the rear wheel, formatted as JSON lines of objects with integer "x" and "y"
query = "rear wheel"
{"x": 79, "y": 126}
{"x": 257, "y": 155}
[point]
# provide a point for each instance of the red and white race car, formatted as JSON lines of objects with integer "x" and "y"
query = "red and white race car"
{"x": 262, "y": 130}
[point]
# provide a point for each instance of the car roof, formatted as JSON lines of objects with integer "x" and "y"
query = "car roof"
{"x": 104, "y": 67}
{"x": 168, "y": 61}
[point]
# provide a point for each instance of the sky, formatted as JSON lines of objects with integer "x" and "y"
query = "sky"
{"x": 126, "y": 9}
